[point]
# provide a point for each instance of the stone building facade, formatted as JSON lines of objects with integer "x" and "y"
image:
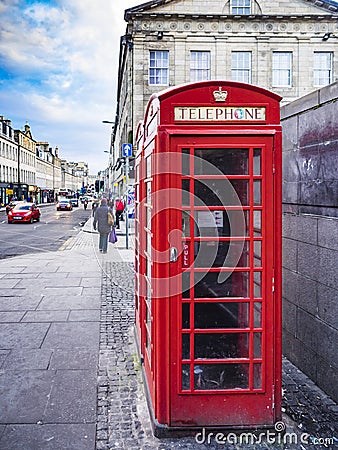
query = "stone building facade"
{"x": 310, "y": 235}
{"x": 46, "y": 181}
{"x": 30, "y": 170}
{"x": 289, "y": 47}
{"x": 8, "y": 160}
{"x": 27, "y": 188}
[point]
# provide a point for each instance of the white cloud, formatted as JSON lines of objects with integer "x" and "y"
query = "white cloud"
{"x": 62, "y": 67}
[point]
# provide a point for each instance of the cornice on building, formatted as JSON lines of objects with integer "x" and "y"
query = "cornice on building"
{"x": 239, "y": 17}
{"x": 203, "y": 17}
{"x": 271, "y": 27}
{"x": 148, "y": 8}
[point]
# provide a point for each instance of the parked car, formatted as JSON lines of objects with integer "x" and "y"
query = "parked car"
{"x": 64, "y": 204}
{"x": 24, "y": 212}
{"x": 11, "y": 205}
{"x": 75, "y": 201}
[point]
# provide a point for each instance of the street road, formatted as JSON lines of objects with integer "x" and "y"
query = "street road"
{"x": 54, "y": 228}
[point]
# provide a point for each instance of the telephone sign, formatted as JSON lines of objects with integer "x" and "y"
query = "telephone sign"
{"x": 127, "y": 149}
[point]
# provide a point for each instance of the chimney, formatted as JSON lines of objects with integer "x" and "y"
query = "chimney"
{"x": 7, "y": 121}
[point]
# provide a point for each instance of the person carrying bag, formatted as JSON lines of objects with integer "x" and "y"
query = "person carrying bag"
{"x": 112, "y": 234}
{"x": 103, "y": 221}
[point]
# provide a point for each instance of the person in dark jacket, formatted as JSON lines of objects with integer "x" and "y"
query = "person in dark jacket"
{"x": 102, "y": 225}
{"x": 94, "y": 206}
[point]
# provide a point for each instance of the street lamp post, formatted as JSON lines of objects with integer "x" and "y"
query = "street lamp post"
{"x": 127, "y": 152}
{"x": 19, "y": 191}
{"x": 127, "y": 215}
{"x": 110, "y": 156}
{"x": 107, "y": 176}
{"x": 110, "y": 153}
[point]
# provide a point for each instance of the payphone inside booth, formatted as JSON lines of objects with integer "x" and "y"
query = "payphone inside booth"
{"x": 208, "y": 256}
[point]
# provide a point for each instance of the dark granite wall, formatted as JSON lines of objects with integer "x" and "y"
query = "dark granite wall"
{"x": 310, "y": 235}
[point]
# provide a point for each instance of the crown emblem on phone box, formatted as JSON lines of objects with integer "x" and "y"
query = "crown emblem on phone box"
{"x": 220, "y": 96}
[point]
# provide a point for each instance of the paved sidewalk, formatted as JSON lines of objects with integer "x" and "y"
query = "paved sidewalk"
{"x": 49, "y": 345}
{"x": 49, "y": 338}
{"x": 69, "y": 373}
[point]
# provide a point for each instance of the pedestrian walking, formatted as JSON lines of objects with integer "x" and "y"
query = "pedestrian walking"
{"x": 103, "y": 221}
{"x": 95, "y": 205}
{"x": 119, "y": 208}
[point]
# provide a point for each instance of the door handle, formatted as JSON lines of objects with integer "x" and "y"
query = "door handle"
{"x": 173, "y": 254}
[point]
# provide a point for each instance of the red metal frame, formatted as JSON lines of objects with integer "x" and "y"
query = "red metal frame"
{"x": 182, "y": 408}
{"x": 159, "y": 297}
{"x": 139, "y": 259}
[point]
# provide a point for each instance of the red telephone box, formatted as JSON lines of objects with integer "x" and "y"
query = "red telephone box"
{"x": 208, "y": 256}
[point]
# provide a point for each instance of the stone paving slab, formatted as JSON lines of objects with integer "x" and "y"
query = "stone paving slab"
{"x": 91, "y": 282}
{"x": 12, "y": 303}
{"x": 15, "y": 293}
{"x": 84, "y": 315}
{"x": 40, "y": 268}
{"x": 11, "y": 316}
{"x": 27, "y": 359}
{"x": 53, "y": 291}
{"x": 63, "y": 281}
{"x": 22, "y": 335}
{"x": 10, "y": 283}
{"x": 24, "y": 395}
{"x": 3, "y": 356}
{"x": 71, "y": 401}
{"x": 18, "y": 275}
{"x": 93, "y": 292}
{"x": 61, "y": 276}
{"x": 74, "y": 359}
{"x": 45, "y": 316}
{"x": 9, "y": 268}
{"x": 71, "y": 303}
{"x": 72, "y": 334}
{"x": 48, "y": 437}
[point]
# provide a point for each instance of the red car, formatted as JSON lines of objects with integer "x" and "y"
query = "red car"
{"x": 24, "y": 212}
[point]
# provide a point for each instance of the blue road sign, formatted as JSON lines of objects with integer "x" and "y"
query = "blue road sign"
{"x": 127, "y": 149}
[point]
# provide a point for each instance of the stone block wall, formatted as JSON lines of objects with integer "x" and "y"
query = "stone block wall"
{"x": 310, "y": 235}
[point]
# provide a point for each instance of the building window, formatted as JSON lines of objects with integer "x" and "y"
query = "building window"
{"x": 281, "y": 69}
{"x": 241, "y": 7}
{"x": 159, "y": 68}
{"x": 241, "y": 66}
{"x": 199, "y": 66}
{"x": 322, "y": 68}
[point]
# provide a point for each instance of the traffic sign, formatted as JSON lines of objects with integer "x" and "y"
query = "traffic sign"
{"x": 127, "y": 149}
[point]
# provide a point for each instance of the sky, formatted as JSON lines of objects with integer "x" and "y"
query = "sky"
{"x": 58, "y": 72}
